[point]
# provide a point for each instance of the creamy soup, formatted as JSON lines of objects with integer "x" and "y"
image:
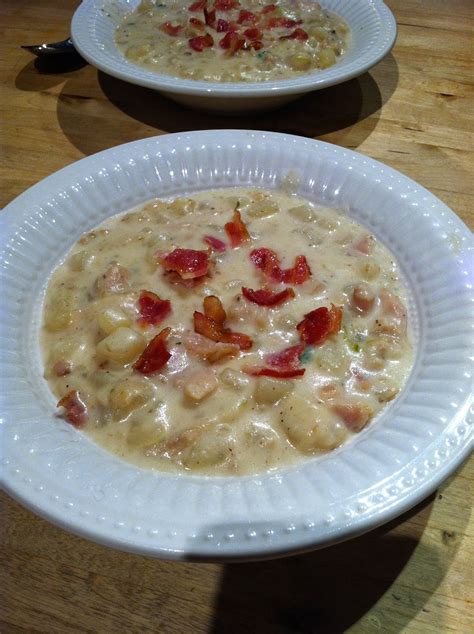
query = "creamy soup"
{"x": 232, "y": 41}
{"x": 228, "y": 333}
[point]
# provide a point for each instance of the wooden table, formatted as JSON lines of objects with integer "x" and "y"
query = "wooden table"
{"x": 414, "y": 111}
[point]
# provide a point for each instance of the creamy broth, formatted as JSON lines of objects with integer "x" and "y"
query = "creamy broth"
{"x": 306, "y": 342}
{"x": 232, "y": 41}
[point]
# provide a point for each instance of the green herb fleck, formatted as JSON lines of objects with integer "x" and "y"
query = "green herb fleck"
{"x": 307, "y": 355}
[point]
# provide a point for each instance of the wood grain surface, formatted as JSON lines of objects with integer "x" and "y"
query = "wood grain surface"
{"x": 413, "y": 111}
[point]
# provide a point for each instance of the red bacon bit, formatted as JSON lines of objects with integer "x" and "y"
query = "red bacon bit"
{"x": 168, "y": 28}
{"x": 211, "y": 324}
{"x": 188, "y": 263}
{"x": 153, "y": 310}
{"x": 277, "y": 374}
{"x": 283, "y": 364}
{"x": 222, "y": 26}
{"x": 298, "y": 34}
{"x": 200, "y": 42}
{"x": 197, "y": 23}
{"x": 76, "y": 410}
{"x": 214, "y": 309}
{"x": 232, "y": 42}
{"x": 287, "y": 359}
{"x": 256, "y": 44}
{"x": 215, "y": 243}
{"x": 226, "y": 5}
{"x": 198, "y": 6}
{"x": 253, "y": 33}
{"x": 155, "y": 356}
{"x": 246, "y": 17}
{"x": 268, "y": 8}
{"x": 320, "y": 324}
{"x": 266, "y": 297}
{"x": 236, "y": 229}
{"x": 268, "y": 261}
{"x": 282, "y": 23}
{"x": 210, "y": 17}
{"x": 62, "y": 367}
{"x": 355, "y": 415}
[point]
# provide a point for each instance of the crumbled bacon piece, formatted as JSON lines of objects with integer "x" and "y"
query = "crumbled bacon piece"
{"x": 76, "y": 410}
{"x": 188, "y": 263}
{"x": 236, "y": 229}
{"x": 266, "y": 297}
{"x": 198, "y": 346}
{"x": 253, "y": 33}
{"x": 320, "y": 324}
{"x": 116, "y": 279}
{"x": 256, "y": 44}
{"x": 215, "y": 243}
{"x": 62, "y": 367}
{"x": 246, "y": 17}
{"x": 287, "y": 359}
{"x": 155, "y": 356}
{"x": 211, "y": 324}
{"x": 226, "y": 5}
{"x": 363, "y": 245}
{"x": 298, "y": 34}
{"x": 277, "y": 374}
{"x": 355, "y": 415}
{"x": 268, "y": 8}
{"x": 281, "y": 365}
{"x": 282, "y": 23}
{"x": 170, "y": 29}
{"x": 153, "y": 310}
{"x": 214, "y": 310}
{"x": 197, "y": 23}
{"x": 199, "y": 5}
{"x": 222, "y": 26}
{"x": 210, "y": 17}
{"x": 268, "y": 261}
{"x": 200, "y": 42}
{"x": 231, "y": 42}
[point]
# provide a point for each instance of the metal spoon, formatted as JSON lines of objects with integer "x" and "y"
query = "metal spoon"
{"x": 56, "y": 48}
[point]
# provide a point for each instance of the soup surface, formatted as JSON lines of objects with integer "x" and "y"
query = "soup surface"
{"x": 232, "y": 40}
{"x": 228, "y": 333}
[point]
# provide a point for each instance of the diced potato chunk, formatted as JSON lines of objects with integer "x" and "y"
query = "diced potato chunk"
{"x": 299, "y": 61}
{"x": 200, "y": 385}
{"x": 269, "y": 390}
{"x": 146, "y": 432}
{"x": 327, "y": 58}
{"x": 233, "y": 378}
{"x": 59, "y": 312}
{"x": 302, "y": 212}
{"x": 112, "y": 318}
{"x": 212, "y": 447}
{"x": 81, "y": 260}
{"x": 310, "y": 427}
{"x": 369, "y": 269}
{"x": 182, "y": 206}
{"x": 263, "y": 209}
{"x": 130, "y": 394}
{"x": 122, "y": 345}
{"x": 137, "y": 52}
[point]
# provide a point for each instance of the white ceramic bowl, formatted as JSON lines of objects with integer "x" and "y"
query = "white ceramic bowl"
{"x": 373, "y": 27}
{"x": 400, "y": 458}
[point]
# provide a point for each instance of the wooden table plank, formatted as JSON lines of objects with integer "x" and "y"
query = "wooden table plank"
{"x": 413, "y": 111}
